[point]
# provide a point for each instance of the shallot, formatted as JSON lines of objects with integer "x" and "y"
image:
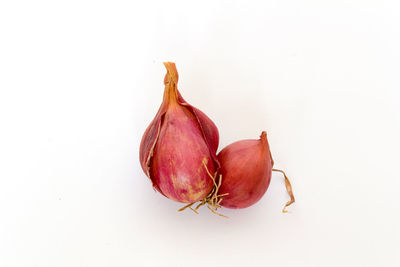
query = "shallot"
{"x": 178, "y": 148}
{"x": 246, "y": 168}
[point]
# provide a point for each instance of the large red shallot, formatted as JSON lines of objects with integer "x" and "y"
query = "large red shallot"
{"x": 178, "y": 149}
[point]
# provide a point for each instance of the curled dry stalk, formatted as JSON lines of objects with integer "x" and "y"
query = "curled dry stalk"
{"x": 213, "y": 199}
{"x": 287, "y": 184}
{"x": 288, "y": 189}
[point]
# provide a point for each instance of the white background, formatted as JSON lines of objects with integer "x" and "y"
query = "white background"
{"x": 81, "y": 80}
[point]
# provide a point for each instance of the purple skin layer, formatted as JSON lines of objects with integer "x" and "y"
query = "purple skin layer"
{"x": 177, "y": 144}
{"x": 177, "y": 166}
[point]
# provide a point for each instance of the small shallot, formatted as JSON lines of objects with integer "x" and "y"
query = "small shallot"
{"x": 246, "y": 168}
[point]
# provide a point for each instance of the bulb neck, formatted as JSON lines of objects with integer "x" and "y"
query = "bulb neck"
{"x": 264, "y": 142}
{"x": 170, "y": 82}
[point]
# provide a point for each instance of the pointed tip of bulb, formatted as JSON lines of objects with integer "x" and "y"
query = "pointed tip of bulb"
{"x": 263, "y": 135}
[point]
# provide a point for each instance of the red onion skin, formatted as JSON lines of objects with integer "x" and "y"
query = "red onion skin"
{"x": 175, "y": 145}
{"x": 246, "y": 169}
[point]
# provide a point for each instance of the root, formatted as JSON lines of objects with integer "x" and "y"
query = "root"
{"x": 188, "y": 206}
{"x": 288, "y": 189}
{"x": 219, "y": 214}
{"x": 212, "y": 200}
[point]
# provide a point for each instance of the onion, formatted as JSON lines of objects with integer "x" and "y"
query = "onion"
{"x": 246, "y": 168}
{"x": 178, "y": 148}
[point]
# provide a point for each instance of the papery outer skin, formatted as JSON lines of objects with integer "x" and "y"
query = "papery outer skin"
{"x": 246, "y": 169}
{"x": 177, "y": 165}
{"x": 184, "y": 181}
